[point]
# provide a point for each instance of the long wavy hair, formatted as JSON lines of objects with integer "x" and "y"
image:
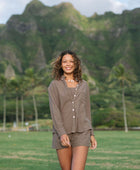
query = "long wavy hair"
{"x": 58, "y": 71}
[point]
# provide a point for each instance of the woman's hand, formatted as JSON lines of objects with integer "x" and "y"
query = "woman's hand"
{"x": 93, "y": 142}
{"x": 65, "y": 140}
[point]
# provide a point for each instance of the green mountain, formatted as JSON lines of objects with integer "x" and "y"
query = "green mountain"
{"x": 41, "y": 33}
{"x": 34, "y": 38}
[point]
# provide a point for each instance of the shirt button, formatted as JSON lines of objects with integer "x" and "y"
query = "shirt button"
{"x": 73, "y": 117}
{"x": 73, "y": 110}
{"x": 72, "y": 102}
{"x": 75, "y": 95}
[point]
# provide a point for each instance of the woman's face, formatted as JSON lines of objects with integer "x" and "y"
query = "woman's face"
{"x": 68, "y": 64}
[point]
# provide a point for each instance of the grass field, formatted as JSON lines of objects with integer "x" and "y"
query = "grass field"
{"x": 116, "y": 150}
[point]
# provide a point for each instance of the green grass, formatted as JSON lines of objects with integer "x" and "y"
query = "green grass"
{"x": 32, "y": 150}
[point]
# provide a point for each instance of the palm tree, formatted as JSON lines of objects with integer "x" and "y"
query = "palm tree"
{"x": 22, "y": 91}
{"x": 3, "y": 84}
{"x": 119, "y": 75}
{"x": 19, "y": 86}
{"x": 45, "y": 76}
{"x": 15, "y": 87}
{"x": 22, "y": 112}
{"x": 32, "y": 80}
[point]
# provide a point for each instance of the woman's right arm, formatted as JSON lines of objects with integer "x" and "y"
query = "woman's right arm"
{"x": 56, "y": 114}
{"x": 55, "y": 110}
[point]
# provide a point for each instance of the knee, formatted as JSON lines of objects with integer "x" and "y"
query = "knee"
{"x": 65, "y": 168}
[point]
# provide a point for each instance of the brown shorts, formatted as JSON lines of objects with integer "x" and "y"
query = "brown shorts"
{"x": 76, "y": 139}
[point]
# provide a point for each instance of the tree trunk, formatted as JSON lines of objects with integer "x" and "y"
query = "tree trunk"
{"x": 22, "y": 112}
{"x": 36, "y": 112}
{"x": 4, "y": 113}
{"x": 124, "y": 110}
{"x": 16, "y": 111}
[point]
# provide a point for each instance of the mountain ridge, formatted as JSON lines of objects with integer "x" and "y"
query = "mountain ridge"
{"x": 44, "y": 32}
{"x": 40, "y": 33}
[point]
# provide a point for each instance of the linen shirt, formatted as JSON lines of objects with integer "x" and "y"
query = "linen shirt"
{"x": 70, "y": 107}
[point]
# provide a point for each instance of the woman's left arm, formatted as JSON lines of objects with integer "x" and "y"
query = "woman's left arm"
{"x": 88, "y": 110}
{"x": 93, "y": 142}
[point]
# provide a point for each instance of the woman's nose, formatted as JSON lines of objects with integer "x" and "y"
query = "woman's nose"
{"x": 68, "y": 63}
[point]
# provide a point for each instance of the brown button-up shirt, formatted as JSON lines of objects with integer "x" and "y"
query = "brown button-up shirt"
{"x": 70, "y": 107}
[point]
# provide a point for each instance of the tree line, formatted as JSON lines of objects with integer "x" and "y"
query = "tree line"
{"x": 20, "y": 85}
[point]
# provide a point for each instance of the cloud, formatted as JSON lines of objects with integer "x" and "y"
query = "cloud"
{"x": 89, "y": 7}
{"x": 53, "y": 2}
{"x": 116, "y": 6}
{"x": 8, "y": 8}
{"x": 2, "y": 10}
{"x": 133, "y": 4}
{"x": 85, "y": 7}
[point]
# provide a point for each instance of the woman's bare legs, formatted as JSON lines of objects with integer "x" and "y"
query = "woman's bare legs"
{"x": 79, "y": 157}
{"x": 73, "y": 158}
{"x": 65, "y": 158}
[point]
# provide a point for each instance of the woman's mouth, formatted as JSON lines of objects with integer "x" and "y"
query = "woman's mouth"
{"x": 68, "y": 68}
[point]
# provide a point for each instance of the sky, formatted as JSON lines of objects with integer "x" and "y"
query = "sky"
{"x": 85, "y": 7}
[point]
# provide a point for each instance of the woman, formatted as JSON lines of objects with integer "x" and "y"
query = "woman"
{"x": 70, "y": 110}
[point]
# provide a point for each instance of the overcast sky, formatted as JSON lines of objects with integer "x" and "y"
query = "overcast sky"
{"x": 85, "y": 7}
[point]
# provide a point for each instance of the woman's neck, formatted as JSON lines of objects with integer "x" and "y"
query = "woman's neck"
{"x": 69, "y": 76}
